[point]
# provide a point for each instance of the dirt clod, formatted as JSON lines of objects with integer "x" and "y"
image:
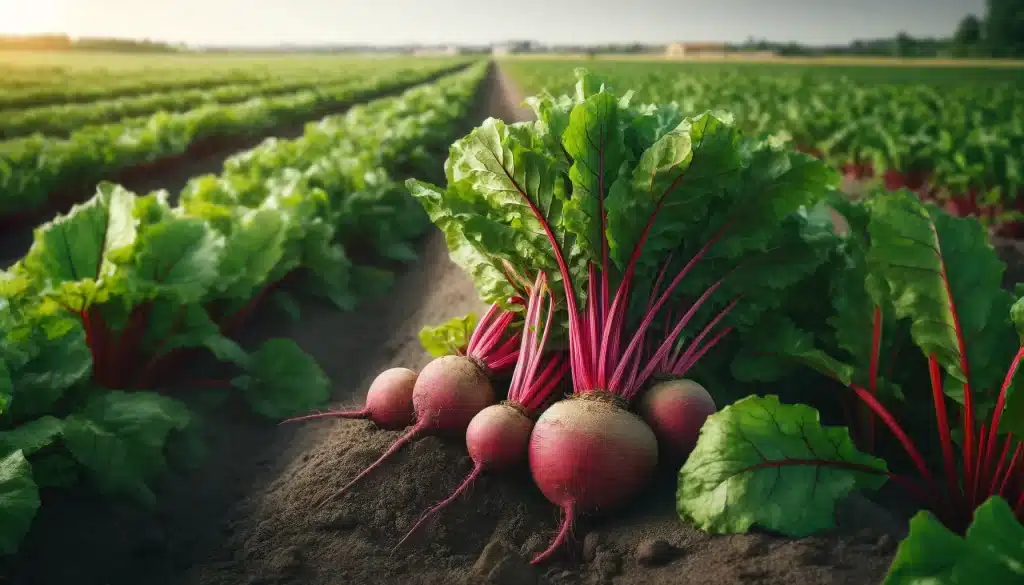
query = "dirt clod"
{"x": 749, "y": 545}
{"x": 590, "y": 544}
{"x": 500, "y": 564}
{"x": 609, "y": 563}
{"x": 533, "y": 546}
{"x": 513, "y": 571}
{"x": 491, "y": 555}
{"x": 816, "y": 553}
{"x": 284, "y": 561}
{"x": 655, "y": 552}
{"x": 338, "y": 521}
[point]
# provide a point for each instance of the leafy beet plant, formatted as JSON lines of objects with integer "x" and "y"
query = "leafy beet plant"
{"x": 654, "y": 227}
{"x": 139, "y": 280}
{"x": 938, "y": 275}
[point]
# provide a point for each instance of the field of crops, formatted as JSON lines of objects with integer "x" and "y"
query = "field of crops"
{"x": 953, "y": 134}
{"x": 56, "y": 142}
{"x": 676, "y": 332}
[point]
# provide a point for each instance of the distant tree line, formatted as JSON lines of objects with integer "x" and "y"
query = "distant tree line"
{"x": 59, "y": 42}
{"x": 1000, "y": 33}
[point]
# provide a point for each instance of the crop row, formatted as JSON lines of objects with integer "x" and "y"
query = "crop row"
{"x": 62, "y": 119}
{"x": 77, "y": 88}
{"x": 116, "y": 292}
{"x": 37, "y": 170}
{"x": 42, "y": 87}
{"x": 951, "y": 140}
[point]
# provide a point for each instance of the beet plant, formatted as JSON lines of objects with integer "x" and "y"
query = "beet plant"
{"x": 605, "y": 195}
{"x": 937, "y": 277}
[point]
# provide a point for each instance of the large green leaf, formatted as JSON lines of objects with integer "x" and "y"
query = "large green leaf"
{"x": 495, "y": 163}
{"x": 992, "y": 552}
{"x": 177, "y": 258}
{"x": 120, "y": 438}
{"x": 251, "y": 252}
{"x": 32, "y": 436}
{"x": 71, "y": 255}
{"x": 945, "y": 278}
{"x": 282, "y": 380}
{"x": 594, "y": 141}
{"x": 19, "y": 500}
{"x": 452, "y": 213}
{"x": 57, "y": 359}
{"x": 760, "y": 462}
{"x": 686, "y": 170}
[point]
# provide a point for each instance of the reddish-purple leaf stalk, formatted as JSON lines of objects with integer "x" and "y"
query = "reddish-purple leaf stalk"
{"x": 486, "y": 345}
{"x": 599, "y": 361}
{"x": 595, "y": 346}
{"x": 676, "y": 360}
{"x": 876, "y": 345}
{"x": 984, "y": 473}
{"x": 531, "y": 388}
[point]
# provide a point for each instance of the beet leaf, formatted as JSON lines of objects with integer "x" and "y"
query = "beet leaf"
{"x": 992, "y": 551}
{"x": 20, "y": 496}
{"x": 764, "y": 463}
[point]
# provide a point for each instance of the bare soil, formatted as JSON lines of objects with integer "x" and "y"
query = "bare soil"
{"x": 247, "y": 516}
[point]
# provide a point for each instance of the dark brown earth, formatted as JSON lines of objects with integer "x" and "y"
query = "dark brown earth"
{"x": 246, "y": 516}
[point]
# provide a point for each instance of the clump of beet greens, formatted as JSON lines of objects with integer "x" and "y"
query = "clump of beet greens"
{"x": 607, "y": 196}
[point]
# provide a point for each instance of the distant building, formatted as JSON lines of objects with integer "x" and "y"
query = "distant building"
{"x": 695, "y": 50}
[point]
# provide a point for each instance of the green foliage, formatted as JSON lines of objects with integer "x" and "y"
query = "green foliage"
{"x": 760, "y": 462}
{"x": 992, "y": 551}
{"x": 957, "y": 129}
{"x": 122, "y": 283}
{"x": 19, "y": 500}
{"x": 1004, "y": 28}
{"x": 282, "y": 380}
{"x": 449, "y": 338}
{"x": 36, "y": 167}
{"x": 599, "y": 153}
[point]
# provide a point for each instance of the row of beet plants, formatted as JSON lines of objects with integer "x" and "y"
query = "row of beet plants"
{"x": 630, "y": 251}
{"x": 104, "y": 319}
{"x": 37, "y": 170}
{"x": 959, "y": 144}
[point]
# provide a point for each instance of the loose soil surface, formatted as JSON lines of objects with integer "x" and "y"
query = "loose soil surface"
{"x": 248, "y": 514}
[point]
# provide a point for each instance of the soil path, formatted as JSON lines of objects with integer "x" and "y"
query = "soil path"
{"x": 247, "y": 515}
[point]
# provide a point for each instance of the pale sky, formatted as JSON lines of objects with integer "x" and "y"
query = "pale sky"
{"x": 234, "y": 22}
